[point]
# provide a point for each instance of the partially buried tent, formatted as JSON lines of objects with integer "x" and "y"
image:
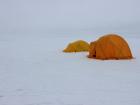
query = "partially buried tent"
{"x": 110, "y": 46}
{"x": 77, "y": 46}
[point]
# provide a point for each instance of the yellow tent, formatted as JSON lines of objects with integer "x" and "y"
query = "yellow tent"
{"x": 110, "y": 46}
{"x": 77, "y": 46}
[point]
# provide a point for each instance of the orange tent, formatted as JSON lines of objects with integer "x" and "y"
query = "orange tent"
{"x": 110, "y": 46}
{"x": 77, "y": 46}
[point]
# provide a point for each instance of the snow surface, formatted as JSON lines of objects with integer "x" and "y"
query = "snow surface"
{"x": 35, "y": 71}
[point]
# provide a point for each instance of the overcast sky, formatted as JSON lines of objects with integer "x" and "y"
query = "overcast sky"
{"x": 61, "y": 15}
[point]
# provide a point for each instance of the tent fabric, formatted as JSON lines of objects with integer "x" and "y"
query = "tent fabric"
{"x": 77, "y": 46}
{"x": 110, "y": 46}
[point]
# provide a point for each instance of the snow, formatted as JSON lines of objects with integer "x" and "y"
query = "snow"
{"x": 35, "y": 71}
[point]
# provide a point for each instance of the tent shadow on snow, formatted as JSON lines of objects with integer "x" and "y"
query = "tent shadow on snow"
{"x": 77, "y": 46}
{"x": 110, "y": 46}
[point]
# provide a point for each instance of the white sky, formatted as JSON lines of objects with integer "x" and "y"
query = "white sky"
{"x": 54, "y": 15}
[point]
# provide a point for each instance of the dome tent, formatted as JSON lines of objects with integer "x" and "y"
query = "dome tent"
{"x": 110, "y": 46}
{"x": 77, "y": 46}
